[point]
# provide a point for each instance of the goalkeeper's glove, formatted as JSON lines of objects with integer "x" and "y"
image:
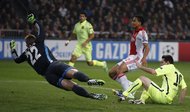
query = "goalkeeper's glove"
{"x": 12, "y": 45}
{"x": 31, "y": 19}
{"x": 13, "y": 49}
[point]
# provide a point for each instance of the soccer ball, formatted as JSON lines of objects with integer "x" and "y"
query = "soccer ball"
{"x": 168, "y": 50}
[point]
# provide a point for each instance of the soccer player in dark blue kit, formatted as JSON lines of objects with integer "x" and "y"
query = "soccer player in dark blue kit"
{"x": 55, "y": 72}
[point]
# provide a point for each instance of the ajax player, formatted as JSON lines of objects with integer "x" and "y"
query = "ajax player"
{"x": 139, "y": 50}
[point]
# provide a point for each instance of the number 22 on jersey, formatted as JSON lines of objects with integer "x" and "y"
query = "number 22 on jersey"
{"x": 33, "y": 54}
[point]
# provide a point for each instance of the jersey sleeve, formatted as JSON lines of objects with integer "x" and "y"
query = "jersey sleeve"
{"x": 90, "y": 29}
{"x": 18, "y": 59}
{"x": 183, "y": 84}
{"x": 161, "y": 71}
{"x": 40, "y": 32}
{"x": 144, "y": 36}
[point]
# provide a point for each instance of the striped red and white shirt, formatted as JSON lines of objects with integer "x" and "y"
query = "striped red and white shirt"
{"x": 136, "y": 45}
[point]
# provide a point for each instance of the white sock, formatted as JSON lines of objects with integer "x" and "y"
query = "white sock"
{"x": 130, "y": 82}
{"x": 123, "y": 81}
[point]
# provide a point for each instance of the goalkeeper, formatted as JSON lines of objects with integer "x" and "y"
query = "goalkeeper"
{"x": 58, "y": 74}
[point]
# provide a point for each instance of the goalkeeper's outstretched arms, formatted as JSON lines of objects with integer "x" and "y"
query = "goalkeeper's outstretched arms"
{"x": 40, "y": 33}
{"x": 17, "y": 59}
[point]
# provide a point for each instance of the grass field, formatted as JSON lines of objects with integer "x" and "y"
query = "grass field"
{"x": 22, "y": 90}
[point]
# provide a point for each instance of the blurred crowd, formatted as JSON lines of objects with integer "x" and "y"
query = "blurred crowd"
{"x": 165, "y": 19}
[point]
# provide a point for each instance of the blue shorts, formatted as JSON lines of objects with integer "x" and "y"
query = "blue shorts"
{"x": 56, "y": 72}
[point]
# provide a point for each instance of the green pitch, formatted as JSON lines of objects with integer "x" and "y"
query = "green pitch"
{"x": 22, "y": 90}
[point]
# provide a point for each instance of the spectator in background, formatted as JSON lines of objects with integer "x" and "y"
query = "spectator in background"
{"x": 63, "y": 10}
{"x": 161, "y": 15}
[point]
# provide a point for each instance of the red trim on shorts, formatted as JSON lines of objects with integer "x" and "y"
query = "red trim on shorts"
{"x": 114, "y": 77}
{"x": 118, "y": 76}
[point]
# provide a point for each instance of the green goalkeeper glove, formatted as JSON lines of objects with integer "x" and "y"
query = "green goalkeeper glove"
{"x": 31, "y": 19}
{"x": 12, "y": 44}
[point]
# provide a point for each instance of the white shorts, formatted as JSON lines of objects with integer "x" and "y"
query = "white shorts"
{"x": 130, "y": 62}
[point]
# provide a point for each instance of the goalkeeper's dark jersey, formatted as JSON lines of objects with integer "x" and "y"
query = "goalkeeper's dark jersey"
{"x": 38, "y": 55}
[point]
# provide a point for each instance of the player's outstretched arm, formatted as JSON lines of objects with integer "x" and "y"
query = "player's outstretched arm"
{"x": 32, "y": 20}
{"x": 146, "y": 69}
{"x": 146, "y": 51}
{"x": 17, "y": 59}
{"x": 182, "y": 95}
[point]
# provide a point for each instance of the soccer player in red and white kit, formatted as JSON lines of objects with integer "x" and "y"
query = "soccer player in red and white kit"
{"x": 139, "y": 50}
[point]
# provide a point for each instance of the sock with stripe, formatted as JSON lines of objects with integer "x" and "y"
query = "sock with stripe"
{"x": 136, "y": 85}
{"x": 98, "y": 63}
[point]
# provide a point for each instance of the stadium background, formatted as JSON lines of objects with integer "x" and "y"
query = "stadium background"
{"x": 167, "y": 23}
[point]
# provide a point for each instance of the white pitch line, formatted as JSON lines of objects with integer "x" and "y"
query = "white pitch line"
{"x": 44, "y": 82}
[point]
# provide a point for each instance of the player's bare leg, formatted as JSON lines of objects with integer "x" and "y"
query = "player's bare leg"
{"x": 122, "y": 68}
{"x": 117, "y": 73}
{"x": 72, "y": 60}
{"x": 113, "y": 71}
{"x": 67, "y": 84}
{"x": 117, "y": 69}
{"x": 146, "y": 82}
